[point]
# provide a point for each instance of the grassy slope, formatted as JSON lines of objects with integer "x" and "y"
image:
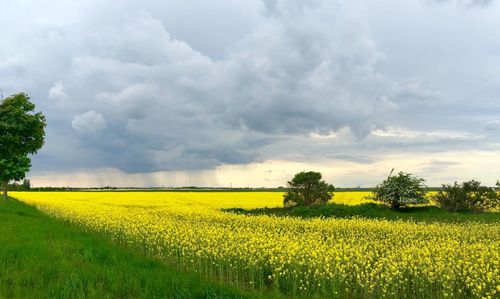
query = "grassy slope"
{"x": 41, "y": 257}
{"x": 372, "y": 210}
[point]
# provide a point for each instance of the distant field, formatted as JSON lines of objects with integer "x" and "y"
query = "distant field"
{"x": 332, "y": 257}
{"x": 217, "y": 200}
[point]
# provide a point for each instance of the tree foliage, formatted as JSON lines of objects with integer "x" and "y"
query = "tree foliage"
{"x": 400, "y": 190}
{"x": 14, "y": 168}
{"x": 468, "y": 196}
{"x": 307, "y": 188}
{"x": 22, "y": 132}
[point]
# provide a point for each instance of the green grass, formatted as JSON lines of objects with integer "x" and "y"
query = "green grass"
{"x": 373, "y": 210}
{"x": 42, "y": 257}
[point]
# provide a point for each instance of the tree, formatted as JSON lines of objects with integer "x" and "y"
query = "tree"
{"x": 468, "y": 196}
{"x": 307, "y": 188}
{"x": 26, "y": 186}
{"x": 400, "y": 190}
{"x": 22, "y": 132}
{"x": 13, "y": 169}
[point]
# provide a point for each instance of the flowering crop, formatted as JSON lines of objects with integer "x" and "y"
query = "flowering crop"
{"x": 326, "y": 257}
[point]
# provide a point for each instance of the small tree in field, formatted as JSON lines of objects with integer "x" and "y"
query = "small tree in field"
{"x": 400, "y": 190}
{"x": 22, "y": 132}
{"x": 307, "y": 188}
{"x": 468, "y": 196}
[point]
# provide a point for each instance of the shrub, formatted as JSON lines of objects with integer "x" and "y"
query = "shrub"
{"x": 400, "y": 190}
{"x": 468, "y": 196}
{"x": 307, "y": 188}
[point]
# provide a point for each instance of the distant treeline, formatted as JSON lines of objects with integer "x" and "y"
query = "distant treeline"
{"x": 26, "y": 186}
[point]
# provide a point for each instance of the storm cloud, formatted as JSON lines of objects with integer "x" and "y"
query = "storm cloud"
{"x": 191, "y": 86}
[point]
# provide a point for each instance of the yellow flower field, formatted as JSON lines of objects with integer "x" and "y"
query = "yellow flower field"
{"x": 329, "y": 257}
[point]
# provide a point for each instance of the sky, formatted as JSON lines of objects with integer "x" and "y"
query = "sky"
{"x": 246, "y": 93}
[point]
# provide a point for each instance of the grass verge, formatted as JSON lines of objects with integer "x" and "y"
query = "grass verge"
{"x": 374, "y": 211}
{"x": 42, "y": 257}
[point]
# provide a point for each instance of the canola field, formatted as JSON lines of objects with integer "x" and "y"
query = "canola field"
{"x": 346, "y": 258}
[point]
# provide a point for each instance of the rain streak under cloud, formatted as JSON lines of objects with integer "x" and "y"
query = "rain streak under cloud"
{"x": 248, "y": 92}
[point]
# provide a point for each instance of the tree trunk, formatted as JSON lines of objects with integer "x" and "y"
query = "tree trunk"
{"x": 5, "y": 187}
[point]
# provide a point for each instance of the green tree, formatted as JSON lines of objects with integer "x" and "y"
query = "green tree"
{"x": 400, "y": 190}
{"x": 307, "y": 188}
{"x": 26, "y": 186}
{"x": 468, "y": 196}
{"x": 13, "y": 169}
{"x": 22, "y": 132}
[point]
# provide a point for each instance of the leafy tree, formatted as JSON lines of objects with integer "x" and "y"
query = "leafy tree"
{"x": 468, "y": 196}
{"x": 400, "y": 190}
{"x": 26, "y": 185}
{"x": 307, "y": 188}
{"x": 22, "y": 132}
{"x": 13, "y": 169}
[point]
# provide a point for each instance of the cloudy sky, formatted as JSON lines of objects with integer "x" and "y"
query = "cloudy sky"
{"x": 248, "y": 92}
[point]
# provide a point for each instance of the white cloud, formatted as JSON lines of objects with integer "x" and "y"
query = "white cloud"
{"x": 57, "y": 92}
{"x": 88, "y": 122}
{"x": 413, "y": 134}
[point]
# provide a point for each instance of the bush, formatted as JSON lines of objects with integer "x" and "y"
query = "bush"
{"x": 468, "y": 196}
{"x": 400, "y": 190}
{"x": 307, "y": 188}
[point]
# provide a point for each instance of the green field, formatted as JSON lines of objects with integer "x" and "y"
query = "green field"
{"x": 41, "y": 257}
{"x": 426, "y": 214}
